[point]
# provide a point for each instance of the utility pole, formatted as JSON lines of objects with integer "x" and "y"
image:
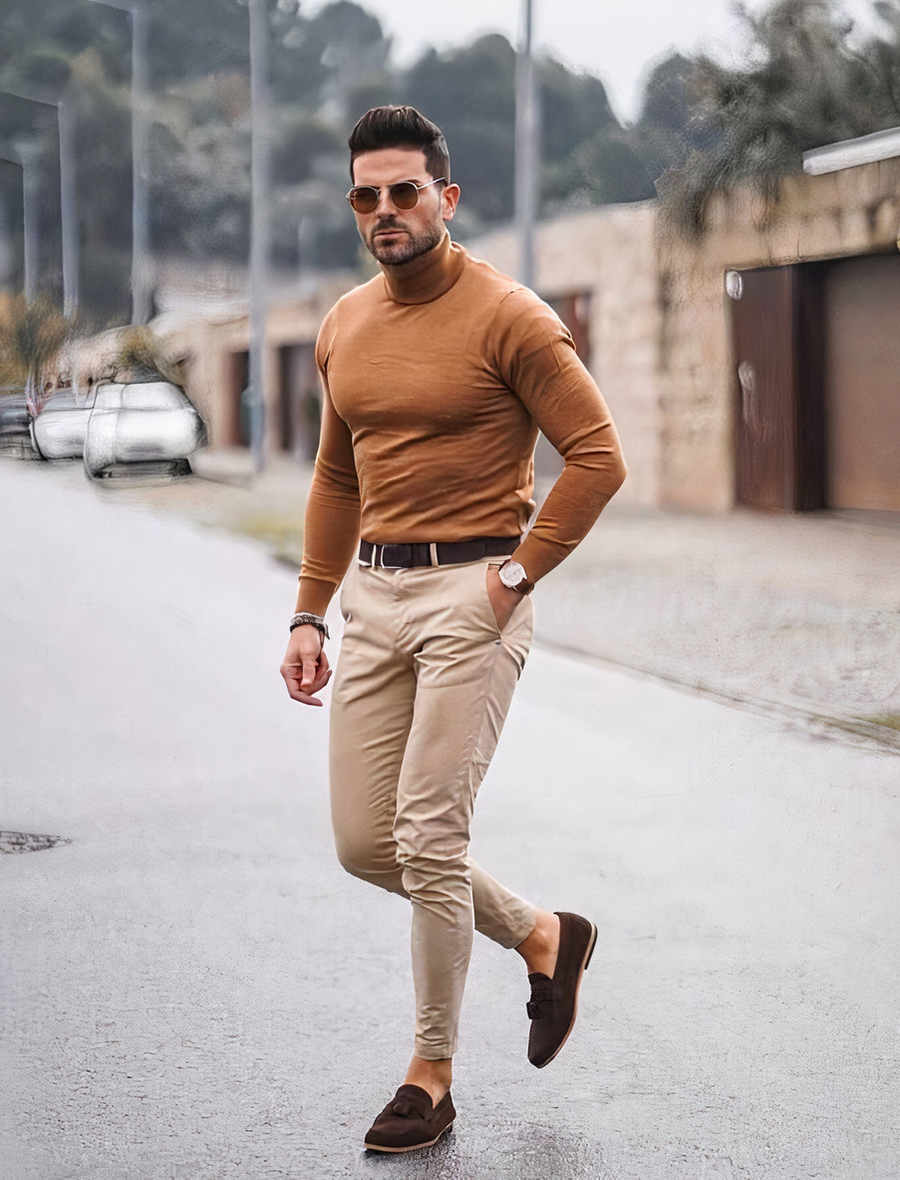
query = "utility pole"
{"x": 527, "y": 154}
{"x": 141, "y": 264}
{"x": 141, "y": 267}
{"x": 68, "y": 171}
{"x": 260, "y": 226}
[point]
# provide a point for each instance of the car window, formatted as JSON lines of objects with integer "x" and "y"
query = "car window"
{"x": 156, "y": 395}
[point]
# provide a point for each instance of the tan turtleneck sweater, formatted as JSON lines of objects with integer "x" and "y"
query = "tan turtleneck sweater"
{"x": 437, "y": 376}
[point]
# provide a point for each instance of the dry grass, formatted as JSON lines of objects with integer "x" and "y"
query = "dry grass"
{"x": 888, "y": 720}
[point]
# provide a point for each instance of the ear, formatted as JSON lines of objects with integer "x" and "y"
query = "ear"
{"x": 449, "y": 201}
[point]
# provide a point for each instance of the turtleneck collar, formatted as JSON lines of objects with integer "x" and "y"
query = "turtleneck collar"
{"x": 426, "y": 277}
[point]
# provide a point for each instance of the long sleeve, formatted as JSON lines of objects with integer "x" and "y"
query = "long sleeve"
{"x": 537, "y": 356}
{"x": 331, "y": 524}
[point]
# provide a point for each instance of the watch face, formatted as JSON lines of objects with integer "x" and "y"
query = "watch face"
{"x": 512, "y": 574}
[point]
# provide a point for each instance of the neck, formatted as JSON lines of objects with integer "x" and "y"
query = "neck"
{"x": 426, "y": 277}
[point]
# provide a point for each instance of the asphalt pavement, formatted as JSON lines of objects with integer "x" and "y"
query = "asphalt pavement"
{"x": 194, "y": 989}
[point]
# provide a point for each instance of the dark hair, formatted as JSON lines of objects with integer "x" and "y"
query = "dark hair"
{"x": 404, "y": 127}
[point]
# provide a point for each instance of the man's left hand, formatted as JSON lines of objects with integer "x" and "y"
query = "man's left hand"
{"x": 503, "y": 600}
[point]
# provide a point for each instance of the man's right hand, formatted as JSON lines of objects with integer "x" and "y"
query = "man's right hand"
{"x": 305, "y": 667}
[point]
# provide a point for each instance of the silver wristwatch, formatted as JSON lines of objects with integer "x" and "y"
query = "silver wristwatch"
{"x": 513, "y": 575}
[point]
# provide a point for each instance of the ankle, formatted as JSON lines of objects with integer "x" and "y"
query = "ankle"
{"x": 435, "y": 1077}
{"x": 544, "y": 935}
{"x": 540, "y": 948}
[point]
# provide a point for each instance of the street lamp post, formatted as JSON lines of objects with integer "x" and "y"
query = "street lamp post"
{"x": 68, "y": 171}
{"x": 260, "y": 225}
{"x": 141, "y": 266}
{"x": 526, "y": 147}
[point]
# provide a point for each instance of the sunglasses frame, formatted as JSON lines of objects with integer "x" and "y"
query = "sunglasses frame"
{"x": 377, "y": 188}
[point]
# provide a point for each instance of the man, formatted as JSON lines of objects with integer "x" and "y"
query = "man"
{"x": 437, "y": 375}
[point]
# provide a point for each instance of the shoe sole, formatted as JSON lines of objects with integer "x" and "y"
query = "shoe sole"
{"x": 584, "y": 966}
{"x": 412, "y": 1146}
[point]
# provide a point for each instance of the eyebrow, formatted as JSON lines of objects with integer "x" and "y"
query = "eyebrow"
{"x": 388, "y": 183}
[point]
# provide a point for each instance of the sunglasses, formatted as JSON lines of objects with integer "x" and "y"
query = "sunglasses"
{"x": 405, "y": 195}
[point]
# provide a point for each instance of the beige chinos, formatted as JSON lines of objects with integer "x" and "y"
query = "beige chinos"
{"x": 423, "y": 684}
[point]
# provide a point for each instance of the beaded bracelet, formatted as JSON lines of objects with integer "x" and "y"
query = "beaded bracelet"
{"x": 316, "y": 621}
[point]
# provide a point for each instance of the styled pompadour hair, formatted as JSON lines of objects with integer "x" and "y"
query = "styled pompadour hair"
{"x": 404, "y": 127}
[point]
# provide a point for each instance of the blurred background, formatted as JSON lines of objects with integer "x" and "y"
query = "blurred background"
{"x": 809, "y": 72}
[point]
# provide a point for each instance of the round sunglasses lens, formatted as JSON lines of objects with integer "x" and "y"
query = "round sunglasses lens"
{"x": 404, "y": 195}
{"x": 364, "y": 200}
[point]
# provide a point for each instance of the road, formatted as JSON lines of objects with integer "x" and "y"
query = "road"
{"x": 194, "y": 989}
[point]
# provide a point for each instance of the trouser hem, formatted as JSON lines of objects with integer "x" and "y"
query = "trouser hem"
{"x": 432, "y": 1053}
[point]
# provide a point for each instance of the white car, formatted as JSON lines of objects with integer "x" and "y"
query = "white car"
{"x": 146, "y": 422}
{"x": 58, "y": 429}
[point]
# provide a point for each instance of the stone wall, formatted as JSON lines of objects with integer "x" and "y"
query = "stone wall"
{"x": 856, "y": 211}
{"x": 660, "y": 327}
{"x": 611, "y": 255}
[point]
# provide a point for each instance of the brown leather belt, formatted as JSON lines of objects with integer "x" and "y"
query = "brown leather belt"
{"x": 421, "y": 553}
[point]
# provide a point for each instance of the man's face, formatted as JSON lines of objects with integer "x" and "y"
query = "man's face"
{"x": 396, "y": 236}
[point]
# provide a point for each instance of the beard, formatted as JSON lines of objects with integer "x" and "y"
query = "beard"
{"x": 413, "y": 245}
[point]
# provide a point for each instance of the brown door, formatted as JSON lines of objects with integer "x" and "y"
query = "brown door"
{"x": 777, "y": 349}
{"x": 235, "y": 431}
{"x": 574, "y": 312}
{"x": 863, "y": 382}
{"x": 300, "y": 408}
{"x": 762, "y": 326}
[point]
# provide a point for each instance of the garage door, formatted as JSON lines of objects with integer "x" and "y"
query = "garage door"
{"x": 862, "y": 386}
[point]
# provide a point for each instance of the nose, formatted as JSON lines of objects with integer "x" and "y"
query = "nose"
{"x": 385, "y": 206}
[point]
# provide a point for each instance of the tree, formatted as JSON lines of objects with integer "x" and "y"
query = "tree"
{"x": 806, "y": 85}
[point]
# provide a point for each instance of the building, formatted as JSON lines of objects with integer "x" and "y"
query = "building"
{"x": 759, "y": 365}
{"x": 214, "y": 342}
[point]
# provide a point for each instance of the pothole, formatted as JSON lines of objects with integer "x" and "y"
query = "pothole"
{"x": 28, "y": 842}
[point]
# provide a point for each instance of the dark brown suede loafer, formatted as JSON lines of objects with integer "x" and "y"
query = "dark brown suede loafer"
{"x": 554, "y": 1002}
{"x": 410, "y": 1120}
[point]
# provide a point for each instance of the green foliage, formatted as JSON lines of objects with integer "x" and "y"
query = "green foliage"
{"x": 573, "y": 109}
{"x": 326, "y": 68}
{"x": 470, "y": 93}
{"x": 300, "y": 138}
{"x": 806, "y": 86}
{"x": 602, "y": 170}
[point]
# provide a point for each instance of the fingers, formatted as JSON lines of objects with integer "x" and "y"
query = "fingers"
{"x": 305, "y": 676}
{"x": 309, "y": 669}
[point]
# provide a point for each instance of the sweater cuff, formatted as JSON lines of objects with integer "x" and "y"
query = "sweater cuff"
{"x": 314, "y": 595}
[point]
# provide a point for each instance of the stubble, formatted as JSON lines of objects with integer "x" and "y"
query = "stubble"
{"x": 409, "y": 247}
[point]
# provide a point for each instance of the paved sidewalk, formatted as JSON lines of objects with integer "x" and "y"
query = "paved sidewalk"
{"x": 796, "y": 614}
